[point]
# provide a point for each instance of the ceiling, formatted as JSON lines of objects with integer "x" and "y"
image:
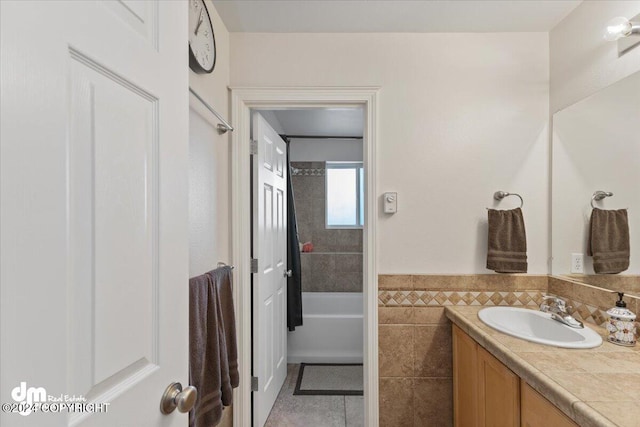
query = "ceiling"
{"x": 321, "y": 121}
{"x": 415, "y": 16}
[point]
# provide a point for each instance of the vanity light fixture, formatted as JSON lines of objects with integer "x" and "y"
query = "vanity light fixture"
{"x": 621, "y": 27}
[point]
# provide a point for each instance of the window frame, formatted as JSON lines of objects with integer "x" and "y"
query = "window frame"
{"x": 358, "y": 166}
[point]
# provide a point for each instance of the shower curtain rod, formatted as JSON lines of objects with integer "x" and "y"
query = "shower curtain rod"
{"x": 322, "y": 137}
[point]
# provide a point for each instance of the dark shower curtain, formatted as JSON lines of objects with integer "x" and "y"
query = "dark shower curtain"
{"x": 294, "y": 283}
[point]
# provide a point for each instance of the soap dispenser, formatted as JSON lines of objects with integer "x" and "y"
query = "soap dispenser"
{"x": 621, "y": 324}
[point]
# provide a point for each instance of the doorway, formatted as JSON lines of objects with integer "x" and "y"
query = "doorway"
{"x": 324, "y": 342}
{"x": 243, "y": 100}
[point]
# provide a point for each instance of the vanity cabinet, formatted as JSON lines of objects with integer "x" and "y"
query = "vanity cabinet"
{"x": 488, "y": 394}
{"x": 485, "y": 392}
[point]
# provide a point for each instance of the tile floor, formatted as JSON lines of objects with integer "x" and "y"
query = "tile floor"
{"x": 316, "y": 411}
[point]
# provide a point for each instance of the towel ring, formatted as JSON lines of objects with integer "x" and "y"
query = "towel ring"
{"x": 599, "y": 195}
{"x": 222, "y": 264}
{"x": 499, "y": 195}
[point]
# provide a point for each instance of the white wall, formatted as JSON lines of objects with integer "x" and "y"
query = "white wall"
{"x": 209, "y": 162}
{"x": 209, "y": 168}
{"x": 461, "y": 116}
{"x": 582, "y": 62}
{"x": 326, "y": 150}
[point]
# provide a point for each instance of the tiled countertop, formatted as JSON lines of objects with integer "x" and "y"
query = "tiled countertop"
{"x": 595, "y": 387}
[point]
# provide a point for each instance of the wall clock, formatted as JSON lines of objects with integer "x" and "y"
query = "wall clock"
{"x": 202, "y": 44}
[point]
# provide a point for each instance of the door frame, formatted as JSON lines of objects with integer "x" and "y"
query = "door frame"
{"x": 243, "y": 99}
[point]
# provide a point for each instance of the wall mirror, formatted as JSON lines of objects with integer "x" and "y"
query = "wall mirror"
{"x": 596, "y": 146}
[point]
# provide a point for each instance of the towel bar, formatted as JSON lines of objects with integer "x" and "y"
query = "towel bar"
{"x": 499, "y": 195}
{"x": 222, "y": 127}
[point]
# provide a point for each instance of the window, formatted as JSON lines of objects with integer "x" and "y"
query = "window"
{"x": 345, "y": 195}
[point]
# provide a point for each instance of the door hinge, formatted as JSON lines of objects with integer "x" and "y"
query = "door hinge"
{"x": 254, "y": 147}
{"x": 254, "y": 265}
{"x": 254, "y": 383}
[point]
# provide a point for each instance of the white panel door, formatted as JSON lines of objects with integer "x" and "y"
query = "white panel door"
{"x": 94, "y": 155}
{"x": 269, "y": 283}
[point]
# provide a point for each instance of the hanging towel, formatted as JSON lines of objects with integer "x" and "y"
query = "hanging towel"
{"x": 208, "y": 370}
{"x": 609, "y": 240}
{"x": 223, "y": 281}
{"x": 507, "y": 243}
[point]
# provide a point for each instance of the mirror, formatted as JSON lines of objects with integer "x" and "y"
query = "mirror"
{"x": 596, "y": 146}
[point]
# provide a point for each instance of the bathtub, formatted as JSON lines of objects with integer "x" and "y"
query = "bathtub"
{"x": 332, "y": 329}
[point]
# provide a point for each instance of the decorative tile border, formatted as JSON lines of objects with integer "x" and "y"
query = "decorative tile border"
{"x": 419, "y": 298}
{"x": 587, "y": 313}
{"x": 587, "y": 303}
{"x": 307, "y": 171}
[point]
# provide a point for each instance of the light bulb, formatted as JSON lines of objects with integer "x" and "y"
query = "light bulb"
{"x": 617, "y": 28}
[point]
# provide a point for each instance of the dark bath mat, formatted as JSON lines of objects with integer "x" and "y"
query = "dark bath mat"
{"x": 330, "y": 379}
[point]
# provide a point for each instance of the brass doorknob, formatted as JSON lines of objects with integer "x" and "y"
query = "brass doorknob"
{"x": 175, "y": 397}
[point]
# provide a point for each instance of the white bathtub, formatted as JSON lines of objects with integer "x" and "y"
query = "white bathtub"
{"x": 332, "y": 330}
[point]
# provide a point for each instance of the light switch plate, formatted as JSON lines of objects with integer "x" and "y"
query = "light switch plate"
{"x": 390, "y": 202}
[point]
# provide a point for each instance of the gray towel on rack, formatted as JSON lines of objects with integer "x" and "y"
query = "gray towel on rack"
{"x": 208, "y": 367}
{"x": 507, "y": 243}
{"x": 223, "y": 280}
{"x": 609, "y": 240}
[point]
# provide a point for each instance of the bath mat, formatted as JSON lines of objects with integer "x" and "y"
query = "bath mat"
{"x": 330, "y": 379}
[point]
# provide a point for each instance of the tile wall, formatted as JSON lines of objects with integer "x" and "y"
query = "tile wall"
{"x": 414, "y": 336}
{"x": 335, "y": 265}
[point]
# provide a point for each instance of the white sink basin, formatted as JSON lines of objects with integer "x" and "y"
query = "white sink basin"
{"x": 538, "y": 327}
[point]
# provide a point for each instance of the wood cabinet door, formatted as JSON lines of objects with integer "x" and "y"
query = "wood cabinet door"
{"x": 465, "y": 379}
{"x": 498, "y": 393}
{"x": 539, "y": 412}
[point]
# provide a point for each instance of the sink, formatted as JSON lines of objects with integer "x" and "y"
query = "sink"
{"x": 538, "y": 327}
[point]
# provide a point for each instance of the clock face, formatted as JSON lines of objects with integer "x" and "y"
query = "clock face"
{"x": 202, "y": 45}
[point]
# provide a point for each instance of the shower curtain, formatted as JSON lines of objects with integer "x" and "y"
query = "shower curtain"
{"x": 294, "y": 283}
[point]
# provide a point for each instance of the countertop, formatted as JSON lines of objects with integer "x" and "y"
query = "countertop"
{"x": 595, "y": 387}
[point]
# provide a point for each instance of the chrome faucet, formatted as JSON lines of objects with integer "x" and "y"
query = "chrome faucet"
{"x": 557, "y": 307}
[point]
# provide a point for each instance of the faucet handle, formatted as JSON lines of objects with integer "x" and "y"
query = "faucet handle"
{"x": 554, "y": 299}
{"x": 555, "y": 302}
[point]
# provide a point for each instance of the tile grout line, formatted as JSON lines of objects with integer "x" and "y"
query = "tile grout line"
{"x": 344, "y": 401}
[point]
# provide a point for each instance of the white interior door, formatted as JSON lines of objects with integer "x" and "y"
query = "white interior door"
{"x": 93, "y": 194}
{"x": 269, "y": 283}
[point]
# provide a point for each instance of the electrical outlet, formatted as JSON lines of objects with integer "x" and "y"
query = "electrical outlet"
{"x": 577, "y": 263}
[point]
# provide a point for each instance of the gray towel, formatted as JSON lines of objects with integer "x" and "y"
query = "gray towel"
{"x": 609, "y": 240}
{"x": 208, "y": 370}
{"x": 223, "y": 280}
{"x": 507, "y": 243}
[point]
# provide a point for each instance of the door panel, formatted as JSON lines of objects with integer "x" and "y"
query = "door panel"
{"x": 114, "y": 224}
{"x": 269, "y": 284}
{"x": 498, "y": 393}
{"x": 465, "y": 379}
{"x": 94, "y": 163}
{"x": 141, "y": 16}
